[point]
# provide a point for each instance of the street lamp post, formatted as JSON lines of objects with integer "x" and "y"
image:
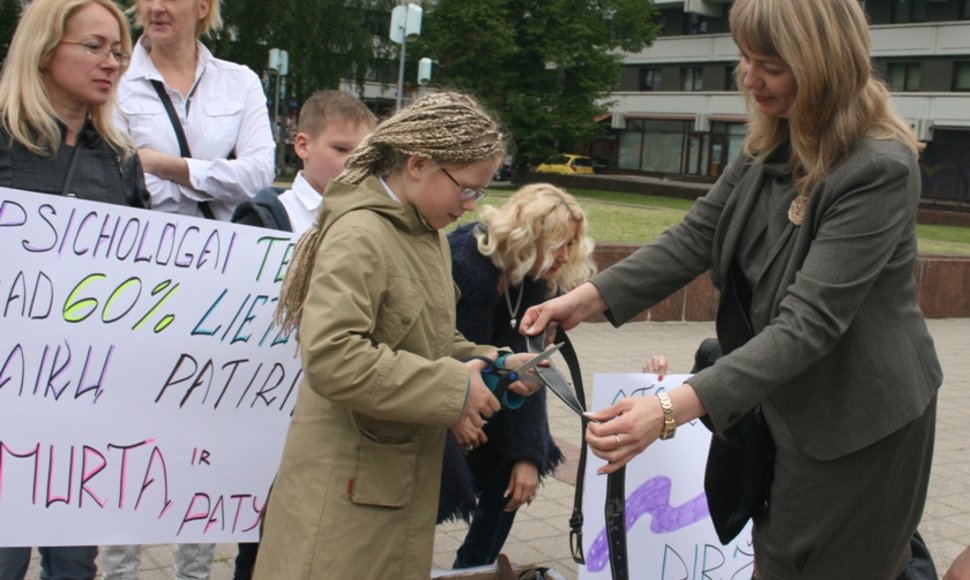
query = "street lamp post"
{"x": 279, "y": 64}
{"x": 405, "y": 26}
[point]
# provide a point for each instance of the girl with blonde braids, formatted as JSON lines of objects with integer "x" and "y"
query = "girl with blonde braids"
{"x": 371, "y": 292}
{"x": 517, "y": 256}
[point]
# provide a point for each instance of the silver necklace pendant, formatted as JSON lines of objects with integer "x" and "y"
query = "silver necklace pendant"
{"x": 514, "y": 312}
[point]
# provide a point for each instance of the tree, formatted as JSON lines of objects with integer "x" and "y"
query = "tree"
{"x": 327, "y": 40}
{"x": 546, "y": 67}
{"x": 9, "y": 16}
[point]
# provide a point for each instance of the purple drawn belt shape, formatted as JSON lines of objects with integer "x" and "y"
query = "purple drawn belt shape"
{"x": 652, "y": 497}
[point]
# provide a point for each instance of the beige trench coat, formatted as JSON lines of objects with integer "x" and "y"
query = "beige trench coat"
{"x": 357, "y": 491}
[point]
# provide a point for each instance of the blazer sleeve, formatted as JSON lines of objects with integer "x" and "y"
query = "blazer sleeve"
{"x": 679, "y": 255}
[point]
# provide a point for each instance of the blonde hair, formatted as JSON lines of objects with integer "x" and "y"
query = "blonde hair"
{"x": 825, "y": 43}
{"x": 445, "y": 127}
{"x": 209, "y": 25}
{"x": 26, "y": 112}
{"x": 538, "y": 214}
{"x": 328, "y": 106}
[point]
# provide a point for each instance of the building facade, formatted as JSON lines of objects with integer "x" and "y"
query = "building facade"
{"x": 677, "y": 111}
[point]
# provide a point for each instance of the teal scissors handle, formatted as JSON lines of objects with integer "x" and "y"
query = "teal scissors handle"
{"x": 498, "y": 379}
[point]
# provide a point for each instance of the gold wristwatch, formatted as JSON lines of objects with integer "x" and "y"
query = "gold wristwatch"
{"x": 670, "y": 427}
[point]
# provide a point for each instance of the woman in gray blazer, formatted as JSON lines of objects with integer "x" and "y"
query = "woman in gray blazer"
{"x": 810, "y": 236}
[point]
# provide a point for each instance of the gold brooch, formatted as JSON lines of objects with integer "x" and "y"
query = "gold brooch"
{"x": 796, "y": 211}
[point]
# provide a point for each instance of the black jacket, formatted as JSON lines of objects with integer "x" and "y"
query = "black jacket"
{"x": 100, "y": 173}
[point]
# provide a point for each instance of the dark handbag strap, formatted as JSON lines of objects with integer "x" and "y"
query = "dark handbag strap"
{"x": 184, "y": 151}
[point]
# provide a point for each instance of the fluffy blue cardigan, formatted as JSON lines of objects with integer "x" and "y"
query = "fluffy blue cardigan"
{"x": 513, "y": 435}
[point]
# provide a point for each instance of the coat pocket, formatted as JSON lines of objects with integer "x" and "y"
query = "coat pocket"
{"x": 222, "y": 122}
{"x": 400, "y": 311}
{"x": 148, "y": 124}
{"x": 385, "y": 473}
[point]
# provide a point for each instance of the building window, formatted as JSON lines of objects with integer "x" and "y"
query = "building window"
{"x": 691, "y": 78}
{"x": 961, "y": 76}
{"x": 731, "y": 79}
{"x": 903, "y": 76}
{"x": 695, "y": 24}
{"x": 909, "y": 10}
{"x": 965, "y": 10}
{"x": 655, "y": 146}
{"x": 650, "y": 79}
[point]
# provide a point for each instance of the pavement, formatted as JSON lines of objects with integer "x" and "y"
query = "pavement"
{"x": 541, "y": 531}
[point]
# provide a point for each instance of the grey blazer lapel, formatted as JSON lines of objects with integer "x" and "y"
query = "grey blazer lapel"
{"x": 736, "y": 214}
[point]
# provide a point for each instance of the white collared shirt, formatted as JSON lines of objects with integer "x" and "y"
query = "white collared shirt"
{"x": 224, "y": 114}
{"x": 390, "y": 192}
{"x": 301, "y": 203}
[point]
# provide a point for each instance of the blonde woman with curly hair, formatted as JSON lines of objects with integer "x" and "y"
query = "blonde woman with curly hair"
{"x": 518, "y": 255}
{"x": 57, "y": 90}
{"x": 370, "y": 289}
{"x": 829, "y": 377}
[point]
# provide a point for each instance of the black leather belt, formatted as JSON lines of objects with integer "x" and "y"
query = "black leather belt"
{"x": 616, "y": 523}
{"x": 575, "y": 399}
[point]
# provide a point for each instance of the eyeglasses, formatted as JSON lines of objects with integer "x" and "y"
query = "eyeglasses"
{"x": 97, "y": 49}
{"x": 466, "y": 193}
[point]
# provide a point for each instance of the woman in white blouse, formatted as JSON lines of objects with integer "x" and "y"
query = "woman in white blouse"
{"x": 220, "y": 106}
{"x": 221, "y": 110}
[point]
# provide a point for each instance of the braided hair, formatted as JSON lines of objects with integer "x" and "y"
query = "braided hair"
{"x": 446, "y": 127}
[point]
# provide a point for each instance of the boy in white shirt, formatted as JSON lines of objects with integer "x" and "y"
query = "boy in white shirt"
{"x": 330, "y": 126}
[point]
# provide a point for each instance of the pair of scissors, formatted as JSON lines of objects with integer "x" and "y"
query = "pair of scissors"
{"x": 498, "y": 379}
{"x": 555, "y": 380}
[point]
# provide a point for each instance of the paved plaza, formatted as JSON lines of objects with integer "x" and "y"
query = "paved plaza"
{"x": 541, "y": 530}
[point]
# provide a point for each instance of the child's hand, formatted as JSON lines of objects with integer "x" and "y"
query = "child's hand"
{"x": 481, "y": 402}
{"x": 522, "y": 485}
{"x": 656, "y": 364}
{"x": 468, "y": 436}
{"x": 524, "y": 388}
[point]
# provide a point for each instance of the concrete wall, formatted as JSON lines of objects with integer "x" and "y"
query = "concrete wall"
{"x": 942, "y": 284}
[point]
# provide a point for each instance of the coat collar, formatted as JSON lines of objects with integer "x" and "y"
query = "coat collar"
{"x": 369, "y": 194}
{"x": 142, "y": 67}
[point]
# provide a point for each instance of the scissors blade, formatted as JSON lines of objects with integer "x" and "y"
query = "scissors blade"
{"x": 554, "y": 380}
{"x": 537, "y": 359}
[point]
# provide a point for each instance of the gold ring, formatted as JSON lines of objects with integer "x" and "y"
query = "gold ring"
{"x": 618, "y": 444}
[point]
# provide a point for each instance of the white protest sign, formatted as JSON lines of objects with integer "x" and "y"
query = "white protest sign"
{"x": 669, "y": 531}
{"x": 144, "y": 390}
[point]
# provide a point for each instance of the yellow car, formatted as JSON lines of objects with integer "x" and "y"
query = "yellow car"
{"x": 567, "y": 164}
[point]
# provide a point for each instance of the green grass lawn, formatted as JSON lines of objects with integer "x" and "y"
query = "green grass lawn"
{"x": 618, "y": 217}
{"x": 630, "y": 217}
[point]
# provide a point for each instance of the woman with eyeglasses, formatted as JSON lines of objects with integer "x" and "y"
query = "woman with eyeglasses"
{"x": 56, "y": 96}
{"x": 57, "y": 91}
